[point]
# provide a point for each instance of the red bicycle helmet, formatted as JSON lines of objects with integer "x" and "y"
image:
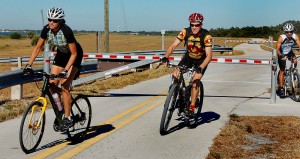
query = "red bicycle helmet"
{"x": 196, "y": 17}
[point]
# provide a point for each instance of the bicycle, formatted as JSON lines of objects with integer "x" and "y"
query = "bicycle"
{"x": 179, "y": 98}
{"x": 34, "y": 118}
{"x": 291, "y": 84}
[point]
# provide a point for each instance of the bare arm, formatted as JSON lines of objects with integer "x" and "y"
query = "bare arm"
{"x": 35, "y": 52}
{"x": 72, "y": 59}
{"x": 172, "y": 47}
{"x": 297, "y": 41}
{"x": 278, "y": 45}
{"x": 208, "y": 51}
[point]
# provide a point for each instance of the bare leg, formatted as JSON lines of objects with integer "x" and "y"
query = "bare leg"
{"x": 195, "y": 88}
{"x": 66, "y": 95}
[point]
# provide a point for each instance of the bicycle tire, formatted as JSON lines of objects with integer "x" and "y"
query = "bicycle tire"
{"x": 199, "y": 102}
{"x": 81, "y": 114}
{"x": 296, "y": 87}
{"x": 28, "y": 132}
{"x": 169, "y": 108}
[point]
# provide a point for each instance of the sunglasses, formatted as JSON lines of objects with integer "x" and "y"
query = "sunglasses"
{"x": 288, "y": 32}
{"x": 195, "y": 25}
{"x": 53, "y": 20}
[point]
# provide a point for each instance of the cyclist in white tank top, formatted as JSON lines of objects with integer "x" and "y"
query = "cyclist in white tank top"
{"x": 284, "y": 48}
{"x": 287, "y": 44}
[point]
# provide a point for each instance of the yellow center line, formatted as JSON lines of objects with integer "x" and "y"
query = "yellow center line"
{"x": 88, "y": 143}
{"x": 65, "y": 143}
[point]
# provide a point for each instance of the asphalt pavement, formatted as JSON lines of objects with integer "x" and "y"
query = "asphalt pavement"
{"x": 261, "y": 105}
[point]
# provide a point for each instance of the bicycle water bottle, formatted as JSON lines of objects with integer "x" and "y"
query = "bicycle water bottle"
{"x": 57, "y": 101}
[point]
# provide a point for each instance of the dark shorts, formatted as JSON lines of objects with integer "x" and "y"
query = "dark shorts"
{"x": 190, "y": 62}
{"x": 61, "y": 59}
{"x": 282, "y": 63}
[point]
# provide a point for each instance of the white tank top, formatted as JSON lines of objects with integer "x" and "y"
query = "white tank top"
{"x": 287, "y": 44}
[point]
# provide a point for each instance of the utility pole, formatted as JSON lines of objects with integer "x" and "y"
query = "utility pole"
{"x": 42, "y": 18}
{"x": 106, "y": 26}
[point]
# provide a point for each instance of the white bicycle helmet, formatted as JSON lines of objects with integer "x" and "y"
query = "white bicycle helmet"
{"x": 56, "y": 13}
{"x": 288, "y": 27}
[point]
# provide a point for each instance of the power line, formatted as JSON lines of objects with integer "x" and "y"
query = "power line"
{"x": 125, "y": 21}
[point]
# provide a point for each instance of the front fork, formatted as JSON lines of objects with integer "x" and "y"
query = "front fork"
{"x": 44, "y": 102}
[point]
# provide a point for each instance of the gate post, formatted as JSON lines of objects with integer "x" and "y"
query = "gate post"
{"x": 17, "y": 90}
{"x": 273, "y": 76}
{"x": 47, "y": 58}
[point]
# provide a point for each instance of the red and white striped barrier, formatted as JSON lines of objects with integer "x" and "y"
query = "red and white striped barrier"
{"x": 241, "y": 61}
{"x": 172, "y": 58}
{"x": 237, "y": 41}
{"x": 125, "y": 57}
{"x": 246, "y": 41}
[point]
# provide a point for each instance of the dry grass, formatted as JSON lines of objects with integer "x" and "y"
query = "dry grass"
{"x": 118, "y": 43}
{"x": 258, "y": 137}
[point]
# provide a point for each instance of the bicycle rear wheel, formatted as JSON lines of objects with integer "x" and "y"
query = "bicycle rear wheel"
{"x": 31, "y": 129}
{"x": 81, "y": 114}
{"x": 169, "y": 108}
{"x": 296, "y": 87}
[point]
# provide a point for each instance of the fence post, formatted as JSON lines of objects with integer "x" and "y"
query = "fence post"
{"x": 17, "y": 90}
{"x": 273, "y": 76}
{"x": 47, "y": 58}
{"x": 270, "y": 41}
{"x": 162, "y": 39}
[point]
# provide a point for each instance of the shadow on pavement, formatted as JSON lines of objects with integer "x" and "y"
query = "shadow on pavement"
{"x": 206, "y": 117}
{"x": 247, "y": 97}
{"x": 92, "y": 132}
{"x": 123, "y": 95}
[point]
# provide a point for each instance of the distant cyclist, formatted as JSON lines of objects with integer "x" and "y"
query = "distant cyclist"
{"x": 198, "y": 44}
{"x": 67, "y": 61}
{"x": 284, "y": 47}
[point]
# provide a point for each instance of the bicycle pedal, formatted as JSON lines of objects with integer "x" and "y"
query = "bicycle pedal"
{"x": 192, "y": 121}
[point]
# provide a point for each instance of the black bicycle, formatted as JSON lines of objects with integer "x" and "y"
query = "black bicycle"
{"x": 179, "y": 98}
{"x": 291, "y": 85}
{"x": 34, "y": 118}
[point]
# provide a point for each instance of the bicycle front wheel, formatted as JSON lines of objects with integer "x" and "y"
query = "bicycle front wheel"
{"x": 199, "y": 102}
{"x": 81, "y": 114}
{"x": 32, "y": 127}
{"x": 296, "y": 87}
{"x": 169, "y": 108}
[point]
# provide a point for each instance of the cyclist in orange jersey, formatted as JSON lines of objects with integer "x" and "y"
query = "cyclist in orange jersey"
{"x": 198, "y": 43}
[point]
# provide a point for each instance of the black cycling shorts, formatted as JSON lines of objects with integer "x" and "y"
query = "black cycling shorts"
{"x": 282, "y": 63}
{"x": 61, "y": 59}
{"x": 190, "y": 62}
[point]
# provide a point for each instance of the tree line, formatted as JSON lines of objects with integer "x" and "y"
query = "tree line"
{"x": 244, "y": 32}
{"x": 254, "y": 32}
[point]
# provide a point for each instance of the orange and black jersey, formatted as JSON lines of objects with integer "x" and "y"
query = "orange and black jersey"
{"x": 195, "y": 45}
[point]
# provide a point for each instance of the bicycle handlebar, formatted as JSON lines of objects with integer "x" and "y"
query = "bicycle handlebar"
{"x": 45, "y": 74}
{"x": 183, "y": 68}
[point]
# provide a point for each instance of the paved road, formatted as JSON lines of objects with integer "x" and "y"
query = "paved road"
{"x": 126, "y": 124}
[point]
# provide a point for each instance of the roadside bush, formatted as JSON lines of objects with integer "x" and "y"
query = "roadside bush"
{"x": 30, "y": 34}
{"x": 15, "y": 35}
{"x": 34, "y": 40}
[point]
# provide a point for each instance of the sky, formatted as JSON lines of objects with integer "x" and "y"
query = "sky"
{"x": 148, "y": 15}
